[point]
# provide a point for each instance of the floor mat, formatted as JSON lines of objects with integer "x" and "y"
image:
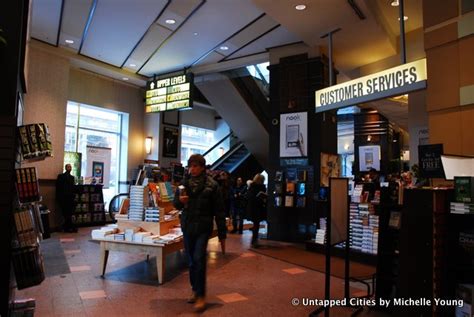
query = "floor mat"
{"x": 55, "y": 262}
{"x": 312, "y": 260}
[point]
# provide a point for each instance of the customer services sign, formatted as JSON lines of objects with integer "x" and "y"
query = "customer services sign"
{"x": 390, "y": 82}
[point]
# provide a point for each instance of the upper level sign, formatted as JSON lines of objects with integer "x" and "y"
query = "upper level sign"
{"x": 170, "y": 93}
{"x": 390, "y": 82}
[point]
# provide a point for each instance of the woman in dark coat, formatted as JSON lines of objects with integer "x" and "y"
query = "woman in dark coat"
{"x": 256, "y": 206}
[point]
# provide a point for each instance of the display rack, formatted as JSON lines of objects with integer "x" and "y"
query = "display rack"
{"x": 89, "y": 205}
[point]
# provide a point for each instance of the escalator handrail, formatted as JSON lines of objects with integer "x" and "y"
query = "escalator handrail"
{"x": 217, "y": 144}
{"x": 111, "y": 214}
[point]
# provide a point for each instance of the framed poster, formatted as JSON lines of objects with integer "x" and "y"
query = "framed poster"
{"x": 369, "y": 157}
{"x": 170, "y": 118}
{"x": 170, "y": 142}
{"x": 294, "y": 134}
{"x": 330, "y": 167}
{"x": 98, "y": 163}
{"x": 429, "y": 160}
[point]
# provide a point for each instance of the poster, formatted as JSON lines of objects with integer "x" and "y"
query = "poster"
{"x": 429, "y": 160}
{"x": 170, "y": 142}
{"x": 294, "y": 134}
{"x": 98, "y": 164}
{"x": 369, "y": 157}
{"x": 330, "y": 167}
{"x": 75, "y": 159}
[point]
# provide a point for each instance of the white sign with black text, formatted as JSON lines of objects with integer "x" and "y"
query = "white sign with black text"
{"x": 369, "y": 157}
{"x": 294, "y": 134}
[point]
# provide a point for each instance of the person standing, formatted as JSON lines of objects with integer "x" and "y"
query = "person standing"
{"x": 65, "y": 197}
{"x": 238, "y": 206}
{"x": 201, "y": 201}
{"x": 257, "y": 205}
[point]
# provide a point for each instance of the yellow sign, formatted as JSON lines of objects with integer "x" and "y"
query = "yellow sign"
{"x": 390, "y": 82}
{"x": 169, "y": 93}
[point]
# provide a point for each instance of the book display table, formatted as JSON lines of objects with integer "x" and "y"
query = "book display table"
{"x": 158, "y": 250}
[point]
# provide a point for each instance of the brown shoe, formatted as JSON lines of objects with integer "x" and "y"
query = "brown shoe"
{"x": 193, "y": 298}
{"x": 200, "y": 304}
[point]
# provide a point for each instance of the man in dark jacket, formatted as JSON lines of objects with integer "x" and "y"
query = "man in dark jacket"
{"x": 65, "y": 197}
{"x": 201, "y": 201}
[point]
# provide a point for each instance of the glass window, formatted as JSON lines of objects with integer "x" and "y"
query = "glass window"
{"x": 93, "y": 126}
{"x": 197, "y": 141}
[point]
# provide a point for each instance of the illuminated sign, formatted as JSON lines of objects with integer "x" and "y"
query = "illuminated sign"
{"x": 172, "y": 93}
{"x": 390, "y": 82}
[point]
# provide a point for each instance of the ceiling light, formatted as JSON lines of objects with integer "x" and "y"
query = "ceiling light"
{"x": 170, "y": 21}
{"x": 404, "y": 18}
{"x": 125, "y": 78}
{"x": 195, "y": 33}
{"x": 133, "y": 65}
{"x": 224, "y": 48}
{"x": 69, "y": 41}
{"x": 300, "y": 7}
{"x": 395, "y": 3}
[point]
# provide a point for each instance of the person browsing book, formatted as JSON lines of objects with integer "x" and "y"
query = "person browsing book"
{"x": 257, "y": 208}
{"x": 201, "y": 201}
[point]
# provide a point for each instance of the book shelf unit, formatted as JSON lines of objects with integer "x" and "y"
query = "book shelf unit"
{"x": 89, "y": 206}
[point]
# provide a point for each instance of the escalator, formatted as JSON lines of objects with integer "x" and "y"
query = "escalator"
{"x": 242, "y": 101}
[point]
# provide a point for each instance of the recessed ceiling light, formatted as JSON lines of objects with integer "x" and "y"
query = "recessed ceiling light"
{"x": 170, "y": 21}
{"x": 404, "y": 18}
{"x": 224, "y": 48}
{"x": 300, "y": 7}
{"x": 195, "y": 33}
{"x": 395, "y": 3}
{"x": 125, "y": 78}
{"x": 133, "y": 65}
{"x": 69, "y": 41}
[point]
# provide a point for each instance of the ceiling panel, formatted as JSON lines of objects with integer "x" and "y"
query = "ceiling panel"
{"x": 117, "y": 26}
{"x": 212, "y": 58}
{"x": 277, "y": 37}
{"x": 159, "y": 32}
{"x": 45, "y": 18}
{"x": 183, "y": 48}
{"x": 75, "y": 14}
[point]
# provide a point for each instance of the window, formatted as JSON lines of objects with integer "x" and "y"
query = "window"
{"x": 196, "y": 140}
{"x": 93, "y": 126}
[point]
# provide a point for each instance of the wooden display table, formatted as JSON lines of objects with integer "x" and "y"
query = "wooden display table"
{"x": 158, "y": 250}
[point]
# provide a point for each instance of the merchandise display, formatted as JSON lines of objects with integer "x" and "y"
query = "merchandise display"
{"x": 35, "y": 141}
{"x": 364, "y": 228}
{"x": 89, "y": 208}
{"x": 27, "y": 185}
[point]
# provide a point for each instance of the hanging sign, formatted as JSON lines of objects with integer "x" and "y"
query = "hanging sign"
{"x": 171, "y": 93}
{"x": 395, "y": 81}
{"x": 294, "y": 134}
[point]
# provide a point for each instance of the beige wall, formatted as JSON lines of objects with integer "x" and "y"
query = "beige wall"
{"x": 51, "y": 82}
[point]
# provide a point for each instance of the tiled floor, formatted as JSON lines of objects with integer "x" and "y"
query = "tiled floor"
{"x": 239, "y": 283}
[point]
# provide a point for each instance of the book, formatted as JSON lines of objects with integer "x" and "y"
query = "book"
{"x": 464, "y": 189}
{"x": 289, "y": 201}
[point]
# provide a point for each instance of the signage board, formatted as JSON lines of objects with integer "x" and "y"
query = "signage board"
{"x": 429, "y": 160}
{"x": 395, "y": 81}
{"x": 171, "y": 93}
{"x": 294, "y": 134}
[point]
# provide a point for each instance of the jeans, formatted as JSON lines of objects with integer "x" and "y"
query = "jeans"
{"x": 196, "y": 249}
{"x": 238, "y": 219}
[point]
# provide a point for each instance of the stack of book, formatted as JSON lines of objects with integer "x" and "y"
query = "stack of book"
{"x": 119, "y": 236}
{"x": 321, "y": 232}
{"x": 166, "y": 191}
{"x": 25, "y": 228}
{"x": 151, "y": 238}
{"x": 35, "y": 141}
{"x": 152, "y": 214}
{"x": 462, "y": 208}
{"x": 137, "y": 202}
{"x": 27, "y": 185}
{"x": 103, "y": 232}
{"x": 364, "y": 228}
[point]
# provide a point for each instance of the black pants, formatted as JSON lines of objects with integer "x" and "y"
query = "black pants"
{"x": 67, "y": 208}
{"x": 255, "y": 229}
{"x": 238, "y": 219}
{"x": 196, "y": 249}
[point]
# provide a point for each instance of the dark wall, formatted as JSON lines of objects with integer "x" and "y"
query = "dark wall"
{"x": 293, "y": 83}
{"x": 13, "y": 17}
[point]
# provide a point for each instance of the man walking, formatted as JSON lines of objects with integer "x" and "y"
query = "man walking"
{"x": 65, "y": 197}
{"x": 202, "y": 202}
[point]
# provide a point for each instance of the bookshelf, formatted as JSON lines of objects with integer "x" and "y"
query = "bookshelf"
{"x": 89, "y": 209}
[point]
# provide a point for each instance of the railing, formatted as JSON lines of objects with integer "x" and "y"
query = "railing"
{"x": 220, "y": 148}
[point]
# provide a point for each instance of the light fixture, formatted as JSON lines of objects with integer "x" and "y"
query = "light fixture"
{"x": 300, "y": 7}
{"x": 170, "y": 21}
{"x": 148, "y": 142}
{"x": 133, "y": 65}
{"x": 125, "y": 78}
{"x": 69, "y": 41}
{"x": 395, "y": 3}
{"x": 369, "y": 138}
{"x": 224, "y": 48}
{"x": 404, "y": 18}
{"x": 195, "y": 33}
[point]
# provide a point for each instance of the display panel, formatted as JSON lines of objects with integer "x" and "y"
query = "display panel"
{"x": 172, "y": 93}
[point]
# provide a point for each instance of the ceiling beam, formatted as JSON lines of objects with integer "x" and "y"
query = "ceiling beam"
{"x": 60, "y": 22}
{"x": 88, "y": 24}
